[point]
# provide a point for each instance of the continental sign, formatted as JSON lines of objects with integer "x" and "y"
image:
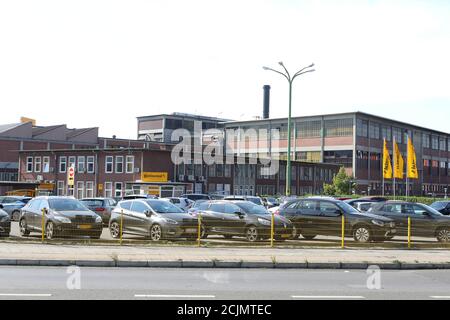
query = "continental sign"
{"x": 155, "y": 176}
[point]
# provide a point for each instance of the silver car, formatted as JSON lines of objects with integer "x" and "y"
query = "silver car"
{"x": 156, "y": 219}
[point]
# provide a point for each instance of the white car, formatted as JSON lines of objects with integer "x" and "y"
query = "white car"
{"x": 182, "y": 203}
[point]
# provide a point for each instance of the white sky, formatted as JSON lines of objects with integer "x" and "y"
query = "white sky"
{"x": 102, "y": 63}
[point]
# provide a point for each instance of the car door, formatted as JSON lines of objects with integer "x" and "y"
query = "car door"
{"x": 124, "y": 210}
{"x": 422, "y": 223}
{"x": 137, "y": 219}
{"x": 42, "y": 205}
{"x": 233, "y": 222}
{"x": 306, "y": 217}
{"x": 214, "y": 218}
{"x": 394, "y": 212}
{"x": 447, "y": 209}
{"x": 33, "y": 215}
{"x": 329, "y": 221}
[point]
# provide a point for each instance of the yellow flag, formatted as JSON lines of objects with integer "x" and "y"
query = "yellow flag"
{"x": 399, "y": 163}
{"x": 413, "y": 173}
{"x": 387, "y": 165}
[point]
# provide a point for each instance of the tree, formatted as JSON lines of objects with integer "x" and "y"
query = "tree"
{"x": 342, "y": 184}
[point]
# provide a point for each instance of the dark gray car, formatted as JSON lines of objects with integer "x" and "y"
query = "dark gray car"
{"x": 63, "y": 217}
{"x": 13, "y": 204}
{"x": 156, "y": 219}
{"x": 5, "y": 223}
{"x": 101, "y": 206}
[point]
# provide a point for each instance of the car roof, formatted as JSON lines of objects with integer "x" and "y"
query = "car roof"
{"x": 55, "y": 197}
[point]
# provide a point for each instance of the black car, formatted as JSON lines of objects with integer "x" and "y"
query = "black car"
{"x": 442, "y": 206}
{"x": 425, "y": 221}
{"x": 63, "y": 216}
{"x": 196, "y": 196}
{"x": 356, "y": 202}
{"x": 5, "y": 223}
{"x": 240, "y": 218}
{"x": 318, "y": 216}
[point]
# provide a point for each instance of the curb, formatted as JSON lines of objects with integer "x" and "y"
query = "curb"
{"x": 225, "y": 264}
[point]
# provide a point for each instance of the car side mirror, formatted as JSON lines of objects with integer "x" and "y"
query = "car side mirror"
{"x": 339, "y": 212}
{"x": 148, "y": 213}
{"x": 1, "y": 206}
{"x": 426, "y": 213}
{"x": 45, "y": 210}
{"x": 239, "y": 213}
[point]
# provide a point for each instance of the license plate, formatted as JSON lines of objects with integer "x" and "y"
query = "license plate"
{"x": 84, "y": 226}
{"x": 191, "y": 230}
{"x": 285, "y": 235}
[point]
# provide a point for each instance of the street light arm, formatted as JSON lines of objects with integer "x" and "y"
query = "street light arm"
{"x": 287, "y": 72}
{"x": 305, "y": 69}
{"x": 299, "y": 74}
{"x": 267, "y": 68}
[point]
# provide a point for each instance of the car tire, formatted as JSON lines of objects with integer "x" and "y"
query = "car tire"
{"x": 308, "y": 236}
{"x": 443, "y": 234}
{"x": 156, "y": 232}
{"x": 50, "y": 230}
{"x": 362, "y": 234}
{"x": 15, "y": 215}
{"x": 24, "y": 232}
{"x": 114, "y": 230}
{"x": 252, "y": 234}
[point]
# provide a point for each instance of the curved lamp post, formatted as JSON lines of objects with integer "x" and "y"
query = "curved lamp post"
{"x": 290, "y": 79}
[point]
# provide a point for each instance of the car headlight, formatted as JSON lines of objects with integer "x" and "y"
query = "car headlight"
{"x": 170, "y": 221}
{"x": 264, "y": 222}
{"x": 378, "y": 223}
{"x": 62, "y": 219}
{"x": 98, "y": 219}
{"x": 4, "y": 219}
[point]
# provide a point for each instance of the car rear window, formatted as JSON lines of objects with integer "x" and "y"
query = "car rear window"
{"x": 93, "y": 203}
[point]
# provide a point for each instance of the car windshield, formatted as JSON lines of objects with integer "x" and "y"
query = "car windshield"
{"x": 255, "y": 200}
{"x": 439, "y": 205}
{"x": 431, "y": 210}
{"x": 346, "y": 207}
{"x": 273, "y": 200}
{"x": 66, "y": 205}
{"x": 161, "y": 206}
{"x": 251, "y": 208}
{"x": 93, "y": 203}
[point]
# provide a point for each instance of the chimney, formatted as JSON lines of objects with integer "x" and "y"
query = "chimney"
{"x": 266, "y": 105}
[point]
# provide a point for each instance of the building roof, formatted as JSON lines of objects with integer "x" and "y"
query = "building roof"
{"x": 41, "y": 130}
{"x": 184, "y": 115}
{"x": 7, "y": 127}
{"x": 71, "y": 133}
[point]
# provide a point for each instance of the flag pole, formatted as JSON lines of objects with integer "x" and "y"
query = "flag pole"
{"x": 382, "y": 166}
{"x": 395, "y": 166}
{"x": 407, "y": 161}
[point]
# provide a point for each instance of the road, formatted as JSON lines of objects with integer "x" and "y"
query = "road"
{"x": 226, "y": 284}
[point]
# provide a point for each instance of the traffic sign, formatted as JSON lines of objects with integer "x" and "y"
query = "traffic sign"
{"x": 71, "y": 176}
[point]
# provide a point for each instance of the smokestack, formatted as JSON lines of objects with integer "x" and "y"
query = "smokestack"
{"x": 266, "y": 106}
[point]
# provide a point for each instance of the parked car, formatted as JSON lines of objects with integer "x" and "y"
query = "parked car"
{"x": 364, "y": 206}
{"x": 5, "y": 223}
{"x": 425, "y": 221}
{"x": 356, "y": 202}
{"x": 240, "y": 218}
{"x": 182, "y": 203}
{"x": 13, "y": 204}
{"x": 320, "y": 216}
{"x": 138, "y": 196}
{"x": 255, "y": 200}
{"x": 153, "y": 218}
{"x": 196, "y": 196}
{"x": 64, "y": 216}
{"x": 101, "y": 206}
{"x": 270, "y": 202}
{"x": 442, "y": 206}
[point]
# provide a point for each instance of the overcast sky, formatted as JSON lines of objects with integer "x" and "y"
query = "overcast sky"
{"x": 103, "y": 63}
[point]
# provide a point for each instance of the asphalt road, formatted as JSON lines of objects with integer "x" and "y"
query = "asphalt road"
{"x": 226, "y": 284}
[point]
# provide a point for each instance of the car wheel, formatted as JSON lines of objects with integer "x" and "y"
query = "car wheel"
{"x": 362, "y": 234}
{"x": 15, "y": 215}
{"x": 50, "y": 230}
{"x": 309, "y": 236}
{"x": 114, "y": 230}
{"x": 155, "y": 232}
{"x": 443, "y": 234}
{"x": 251, "y": 234}
{"x": 24, "y": 232}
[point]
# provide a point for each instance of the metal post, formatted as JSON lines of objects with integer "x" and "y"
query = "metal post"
{"x": 343, "y": 232}
{"x": 199, "y": 234}
{"x": 121, "y": 226}
{"x": 272, "y": 222}
{"x": 288, "y": 166}
{"x": 409, "y": 232}
{"x": 43, "y": 224}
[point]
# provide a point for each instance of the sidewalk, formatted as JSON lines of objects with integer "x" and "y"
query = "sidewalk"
{"x": 164, "y": 256}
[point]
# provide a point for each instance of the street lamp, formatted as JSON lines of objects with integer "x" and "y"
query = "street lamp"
{"x": 290, "y": 79}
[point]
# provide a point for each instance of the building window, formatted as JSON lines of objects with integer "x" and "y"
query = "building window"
{"x": 227, "y": 171}
{"x": 309, "y": 129}
{"x": 397, "y": 135}
{"x": 339, "y": 128}
{"x": 62, "y": 164}
{"x": 386, "y": 133}
{"x": 37, "y": 164}
{"x": 89, "y": 189}
{"x": 118, "y": 189}
{"x": 108, "y": 190}
{"x": 130, "y": 164}
{"x": 212, "y": 171}
{"x": 109, "y": 164}
{"x": 90, "y": 164}
{"x": 362, "y": 128}
{"x": 374, "y": 131}
{"x": 81, "y": 164}
{"x": 46, "y": 164}
{"x": 60, "y": 188}
{"x": 29, "y": 164}
{"x": 72, "y": 161}
{"x": 80, "y": 190}
{"x": 119, "y": 164}
{"x": 309, "y": 156}
{"x": 426, "y": 140}
{"x": 442, "y": 144}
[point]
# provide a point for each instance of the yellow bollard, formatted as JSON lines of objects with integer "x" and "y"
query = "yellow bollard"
{"x": 343, "y": 233}
{"x": 409, "y": 232}
{"x": 199, "y": 235}
{"x": 43, "y": 224}
{"x": 272, "y": 224}
{"x": 121, "y": 226}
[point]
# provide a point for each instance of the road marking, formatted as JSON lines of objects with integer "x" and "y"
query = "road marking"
{"x": 440, "y": 297}
{"x": 182, "y": 296}
{"x": 328, "y": 297}
{"x": 25, "y": 295}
